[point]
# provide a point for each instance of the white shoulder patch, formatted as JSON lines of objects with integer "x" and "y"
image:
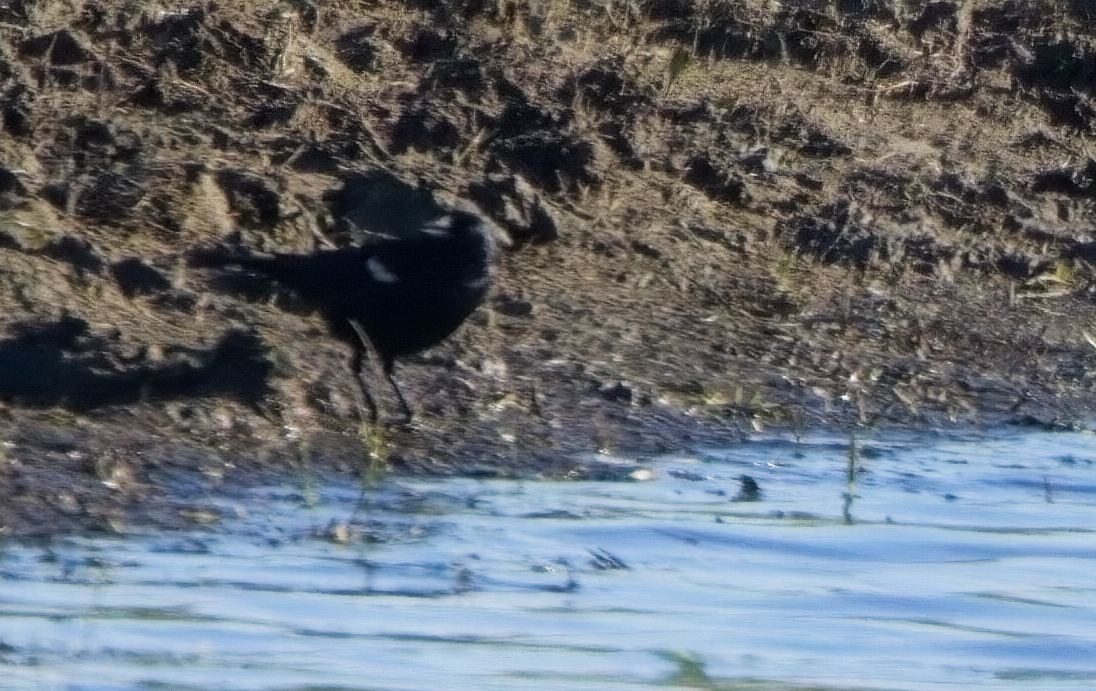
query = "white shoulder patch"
{"x": 380, "y": 272}
{"x": 440, "y": 226}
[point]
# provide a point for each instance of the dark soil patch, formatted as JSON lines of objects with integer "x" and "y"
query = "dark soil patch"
{"x": 719, "y": 216}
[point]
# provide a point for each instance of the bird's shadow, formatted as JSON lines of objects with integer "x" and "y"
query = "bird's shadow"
{"x": 61, "y": 363}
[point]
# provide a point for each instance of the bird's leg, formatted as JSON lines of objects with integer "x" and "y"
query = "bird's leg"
{"x": 368, "y": 348}
{"x": 371, "y": 434}
{"x": 405, "y": 410}
{"x": 357, "y": 364}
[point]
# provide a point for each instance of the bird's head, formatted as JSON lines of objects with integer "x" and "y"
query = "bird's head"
{"x": 461, "y": 224}
{"x": 453, "y": 224}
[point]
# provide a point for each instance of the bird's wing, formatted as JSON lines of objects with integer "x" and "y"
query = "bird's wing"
{"x": 408, "y": 260}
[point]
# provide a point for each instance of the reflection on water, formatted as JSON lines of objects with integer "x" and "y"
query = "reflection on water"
{"x": 950, "y": 563}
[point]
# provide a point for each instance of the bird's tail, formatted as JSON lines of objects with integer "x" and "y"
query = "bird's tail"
{"x": 255, "y": 282}
{"x": 261, "y": 275}
{"x": 282, "y": 267}
{"x": 220, "y": 255}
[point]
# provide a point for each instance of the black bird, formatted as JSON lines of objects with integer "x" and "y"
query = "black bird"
{"x": 388, "y": 298}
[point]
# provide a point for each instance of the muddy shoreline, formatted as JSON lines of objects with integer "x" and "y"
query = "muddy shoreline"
{"x": 726, "y": 216}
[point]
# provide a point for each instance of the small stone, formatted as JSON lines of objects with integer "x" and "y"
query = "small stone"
{"x": 513, "y": 307}
{"x": 617, "y": 392}
{"x": 748, "y": 489}
{"x": 340, "y": 532}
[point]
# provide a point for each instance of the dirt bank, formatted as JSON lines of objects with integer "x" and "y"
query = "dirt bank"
{"x": 728, "y": 214}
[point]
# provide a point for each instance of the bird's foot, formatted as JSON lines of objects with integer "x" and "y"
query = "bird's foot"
{"x": 374, "y": 439}
{"x": 404, "y": 420}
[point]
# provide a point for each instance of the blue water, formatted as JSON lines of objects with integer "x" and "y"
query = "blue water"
{"x": 950, "y": 563}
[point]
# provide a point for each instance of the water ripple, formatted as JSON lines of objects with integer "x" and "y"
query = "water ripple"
{"x": 954, "y": 562}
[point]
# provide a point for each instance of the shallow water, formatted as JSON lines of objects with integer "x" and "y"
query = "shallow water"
{"x": 958, "y": 563}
